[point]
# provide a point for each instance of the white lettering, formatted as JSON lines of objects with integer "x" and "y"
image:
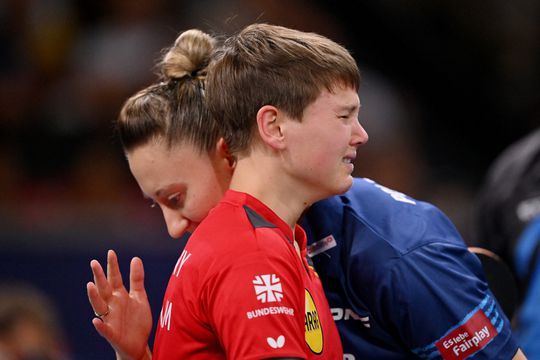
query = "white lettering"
{"x": 274, "y": 310}
{"x": 396, "y": 195}
{"x": 181, "y": 260}
{"x": 337, "y": 313}
{"x": 462, "y": 344}
{"x": 346, "y": 314}
{"x": 448, "y": 343}
{"x": 165, "y": 317}
{"x": 350, "y": 314}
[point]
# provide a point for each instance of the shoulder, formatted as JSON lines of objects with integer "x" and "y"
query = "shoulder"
{"x": 233, "y": 233}
{"x": 385, "y": 216}
{"x": 222, "y": 237}
{"x": 222, "y": 220}
{"x": 378, "y": 233}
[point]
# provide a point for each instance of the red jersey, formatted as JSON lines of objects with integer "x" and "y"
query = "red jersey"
{"x": 240, "y": 291}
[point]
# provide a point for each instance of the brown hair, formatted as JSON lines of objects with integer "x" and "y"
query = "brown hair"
{"x": 272, "y": 65}
{"x": 173, "y": 110}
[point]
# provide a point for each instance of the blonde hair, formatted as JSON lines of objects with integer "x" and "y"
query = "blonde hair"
{"x": 173, "y": 110}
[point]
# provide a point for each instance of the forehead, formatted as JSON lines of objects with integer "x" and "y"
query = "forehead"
{"x": 337, "y": 99}
{"x": 157, "y": 152}
{"x": 155, "y": 165}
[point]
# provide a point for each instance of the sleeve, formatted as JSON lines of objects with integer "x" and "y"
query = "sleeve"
{"x": 447, "y": 310}
{"x": 527, "y": 262}
{"x": 256, "y": 305}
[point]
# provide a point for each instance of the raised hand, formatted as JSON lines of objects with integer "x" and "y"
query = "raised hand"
{"x": 123, "y": 318}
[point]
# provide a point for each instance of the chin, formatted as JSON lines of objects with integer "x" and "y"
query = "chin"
{"x": 346, "y": 185}
{"x": 341, "y": 186}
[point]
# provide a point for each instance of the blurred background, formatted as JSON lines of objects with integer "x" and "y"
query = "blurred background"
{"x": 447, "y": 85}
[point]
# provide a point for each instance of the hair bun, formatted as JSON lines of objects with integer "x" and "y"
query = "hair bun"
{"x": 189, "y": 55}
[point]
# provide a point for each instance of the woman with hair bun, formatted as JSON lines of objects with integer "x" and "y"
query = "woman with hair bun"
{"x": 167, "y": 125}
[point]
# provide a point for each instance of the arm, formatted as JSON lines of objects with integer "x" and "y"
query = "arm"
{"x": 127, "y": 319}
{"x": 450, "y": 280}
{"x": 519, "y": 356}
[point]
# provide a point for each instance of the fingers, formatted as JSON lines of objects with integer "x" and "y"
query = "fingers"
{"x": 100, "y": 292}
{"x": 100, "y": 280}
{"x": 113, "y": 271}
{"x": 99, "y": 305}
{"x": 97, "y": 271}
{"x": 103, "y": 329}
{"x": 136, "y": 276}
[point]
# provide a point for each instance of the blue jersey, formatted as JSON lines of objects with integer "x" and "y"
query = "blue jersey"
{"x": 400, "y": 280}
{"x": 527, "y": 262}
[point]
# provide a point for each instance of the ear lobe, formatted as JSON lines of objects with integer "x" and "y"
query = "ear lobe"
{"x": 269, "y": 126}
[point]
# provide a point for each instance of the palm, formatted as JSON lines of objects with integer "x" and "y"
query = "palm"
{"x": 128, "y": 323}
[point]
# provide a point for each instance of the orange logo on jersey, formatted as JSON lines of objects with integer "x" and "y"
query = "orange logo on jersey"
{"x": 313, "y": 328}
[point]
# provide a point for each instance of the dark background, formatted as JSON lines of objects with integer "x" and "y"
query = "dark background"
{"x": 447, "y": 85}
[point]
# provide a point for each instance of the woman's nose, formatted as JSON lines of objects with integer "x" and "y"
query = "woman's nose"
{"x": 177, "y": 224}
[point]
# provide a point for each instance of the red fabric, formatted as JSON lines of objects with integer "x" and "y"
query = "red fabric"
{"x": 240, "y": 292}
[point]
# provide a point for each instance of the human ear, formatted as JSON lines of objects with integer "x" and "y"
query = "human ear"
{"x": 269, "y": 127}
{"x": 223, "y": 153}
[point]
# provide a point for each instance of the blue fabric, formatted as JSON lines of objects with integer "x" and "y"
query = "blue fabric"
{"x": 528, "y": 316}
{"x": 399, "y": 277}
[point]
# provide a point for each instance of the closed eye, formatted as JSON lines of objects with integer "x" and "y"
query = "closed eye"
{"x": 348, "y": 118}
{"x": 347, "y": 112}
{"x": 175, "y": 200}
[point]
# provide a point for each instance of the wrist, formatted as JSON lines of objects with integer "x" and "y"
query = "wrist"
{"x": 147, "y": 355}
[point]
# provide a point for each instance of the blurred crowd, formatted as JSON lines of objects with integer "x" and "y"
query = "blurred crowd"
{"x": 464, "y": 85}
{"x": 30, "y": 328}
{"x": 66, "y": 67}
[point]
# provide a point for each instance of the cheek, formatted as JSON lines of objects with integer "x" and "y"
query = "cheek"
{"x": 336, "y": 146}
{"x": 209, "y": 194}
{"x": 324, "y": 159}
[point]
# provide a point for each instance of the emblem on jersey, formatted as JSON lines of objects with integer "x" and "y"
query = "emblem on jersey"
{"x": 268, "y": 288}
{"x": 471, "y": 335}
{"x": 476, "y": 330}
{"x": 321, "y": 246}
{"x": 276, "y": 343}
{"x": 468, "y": 338}
{"x": 313, "y": 327}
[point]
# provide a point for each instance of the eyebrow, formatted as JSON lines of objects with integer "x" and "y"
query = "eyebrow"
{"x": 176, "y": 187}
{"x": 349, "y": 108}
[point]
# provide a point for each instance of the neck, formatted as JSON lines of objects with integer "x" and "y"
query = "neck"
{"x": 269, "y": 184}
